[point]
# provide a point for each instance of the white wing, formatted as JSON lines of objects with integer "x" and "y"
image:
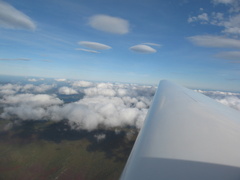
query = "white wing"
{"x": 186, "y": 136}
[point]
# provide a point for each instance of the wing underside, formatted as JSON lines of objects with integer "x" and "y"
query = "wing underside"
{"x": 186, "y": 135}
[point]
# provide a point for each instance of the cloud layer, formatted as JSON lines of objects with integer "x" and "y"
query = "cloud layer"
{"x": 109, "y": 24}
{"x": 12, "y": 18}
{"x": 227, "y": 98}
{"x": 90, "y": 105}
{"x": 104, "y": 104}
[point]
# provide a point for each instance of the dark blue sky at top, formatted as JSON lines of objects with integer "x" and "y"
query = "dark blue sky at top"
{"x": 175, "y": 35}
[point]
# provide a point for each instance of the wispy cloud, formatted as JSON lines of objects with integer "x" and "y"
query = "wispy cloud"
{"x": 87, "y": 50}
{"x": 141, "y": 48}
{"x": 152, "y": 44}
{"x": 15, "y": 59}
{"x": 214, "y": 41}
{"x": 233, "y": 4}
{"x": 230, "y": 55}
{"x": 109, "y": 24}
{"x": 94, "y": 45}
{"x": 12, "y": 18}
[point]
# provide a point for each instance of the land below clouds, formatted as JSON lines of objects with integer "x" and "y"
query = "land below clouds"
{"x": 52, "y": 150}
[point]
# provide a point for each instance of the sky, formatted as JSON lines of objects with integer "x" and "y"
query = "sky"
{"x": 193, "y": 43}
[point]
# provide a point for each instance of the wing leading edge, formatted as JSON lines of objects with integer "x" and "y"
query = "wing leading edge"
{"x": 186, "y": 135}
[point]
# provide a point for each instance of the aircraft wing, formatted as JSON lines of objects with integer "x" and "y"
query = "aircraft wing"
{"x": 186, "y": 136}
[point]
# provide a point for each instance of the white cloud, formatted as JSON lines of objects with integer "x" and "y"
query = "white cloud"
{"x": 99, "y": 91}
{"x": 67, "y": 91}
{"x": 36, "y": 89}
{"x": 231, "y": 55}
{"x": 87, "y": 50}
{"x": 229, "y": 21}
{"x": 12, "y": 18}
{"x": 28, "y": 106}
{"x": 109, "y": 24}
{"x": 8, "y": 89}
{"x": 94, "y": 45}
{"x": 227, "y": 98}
{"x": 14, "y": 88}
{"x": 105, "y": 104}
{"x": 31, "y": 99}
{"x": 82, "y": 83}
{"x": 61, "y": 80}
{"x": 141, "y": 48}
{"x": 32, "y": 80}
{"x": 232, "y": 26}
{"x": 200, "y": 17}
{"x": 215, "y": 41}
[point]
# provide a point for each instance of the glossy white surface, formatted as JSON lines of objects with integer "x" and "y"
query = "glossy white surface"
{"x": 186, "y": 135}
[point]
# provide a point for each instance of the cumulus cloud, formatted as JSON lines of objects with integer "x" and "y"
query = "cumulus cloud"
{"x": 12, "y": 18}
{"x": 108, "y": 105}
{"x": 109, "y": 24}
{"x": 200, "y": 17}
{"x": 227, "y": 98}
{"x": 8, "y": 89}
{"x": 34, "y": 100}
{"x": 94, "y": 45}
{"x": 36, "y": 89}
{"x": 82, "y": 83}
{"x": 67, "y": 91}
{"x": 232, "y": 25}
{"x": 61, "y": 80}
{"x": 228, "y": 21}
{"x": 28, "y": 106}
{"x": 32, "y": 80}
{"x": 141, "y": 48}
{"x": 104, "y": 104}
{"x": 15, "y": 88}
{"x": 215, "y": 41}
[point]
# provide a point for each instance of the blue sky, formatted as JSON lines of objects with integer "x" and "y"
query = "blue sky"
{"x": 194, "y": 43}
